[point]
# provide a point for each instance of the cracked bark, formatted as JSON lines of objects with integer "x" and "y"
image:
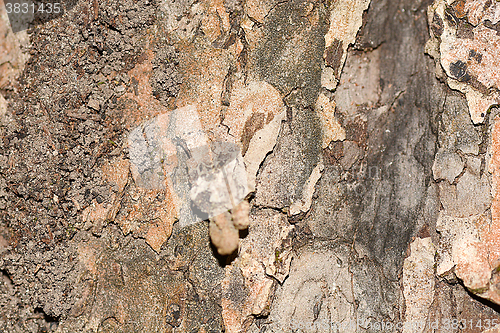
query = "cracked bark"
{"x": 342, "y": 125}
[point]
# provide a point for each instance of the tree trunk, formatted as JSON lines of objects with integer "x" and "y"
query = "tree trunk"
{"x": 250, "y": 166}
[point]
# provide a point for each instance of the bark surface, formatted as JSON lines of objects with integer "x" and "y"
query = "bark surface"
{"x": 366, "y": 173}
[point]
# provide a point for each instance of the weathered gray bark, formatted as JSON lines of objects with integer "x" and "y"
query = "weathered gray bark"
{"x": 85, "y": 248}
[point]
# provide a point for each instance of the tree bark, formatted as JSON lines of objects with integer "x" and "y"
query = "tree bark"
{"x": 250, "y": 166}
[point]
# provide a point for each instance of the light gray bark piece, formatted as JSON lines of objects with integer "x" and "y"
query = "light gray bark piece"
{"x": 447, "y": 165}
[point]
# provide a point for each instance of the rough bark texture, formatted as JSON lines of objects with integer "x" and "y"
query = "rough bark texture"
{"x": 373, "y": 184}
